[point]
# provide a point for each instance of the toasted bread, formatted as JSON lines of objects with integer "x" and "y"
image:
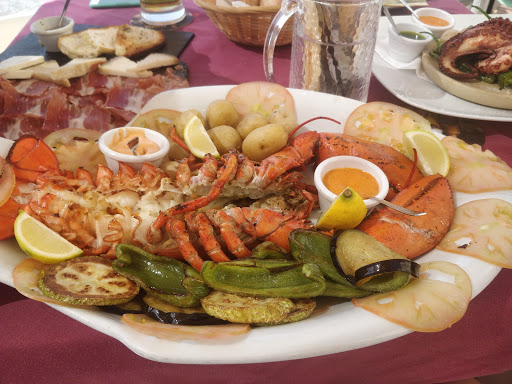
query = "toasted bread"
{"x": 104, "y": 38}
{"x": 122, "y": 66}
{"x": 136, "y": 41}
{"x": 79, "y": 45}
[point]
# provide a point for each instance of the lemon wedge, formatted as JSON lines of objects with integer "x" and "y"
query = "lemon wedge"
{"x": 346, "y": 212}
{"x": 432, "y": 155}
{"x": 40, "y": 242}
{"x": 198, "y": 140}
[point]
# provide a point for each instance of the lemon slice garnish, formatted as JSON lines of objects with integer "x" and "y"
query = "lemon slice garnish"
{"x": 432, "y": 155}
{"x": 198, "y": 140}
{"x": 346, "y": 212}
{"x": 40, "y": 242}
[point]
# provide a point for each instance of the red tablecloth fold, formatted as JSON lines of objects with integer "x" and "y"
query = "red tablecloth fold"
{"x": 40, "y": 345}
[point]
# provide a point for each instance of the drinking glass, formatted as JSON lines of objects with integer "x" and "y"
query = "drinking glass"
{"x": 162, "y": 12}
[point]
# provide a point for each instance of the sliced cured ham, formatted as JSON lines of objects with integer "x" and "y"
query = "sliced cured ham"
{"x": 433, "y": 302}
{"x": 92, "y": 101}
{"x": 473, "y": 170}
{"x": 482, "y": 229}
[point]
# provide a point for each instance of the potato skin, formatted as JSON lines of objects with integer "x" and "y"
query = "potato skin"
{"x": 183, "y": 119}
{"x": 225, "y": 137}
{"x": 249, "y": 123}
{"x": 264, "y": 141}
{"x": 221, "y": 112}
{"x": 285, "y": 118}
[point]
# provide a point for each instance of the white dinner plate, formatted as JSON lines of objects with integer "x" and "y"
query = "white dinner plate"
{"x": 420, "y": 93}
{"x": 341, "y": 328}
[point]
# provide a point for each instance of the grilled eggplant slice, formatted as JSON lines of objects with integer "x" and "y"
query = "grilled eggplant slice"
{"x": 87, "y": 280}
{"x": 171, "y": 314}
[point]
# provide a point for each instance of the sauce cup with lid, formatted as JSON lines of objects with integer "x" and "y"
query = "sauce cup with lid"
{"x": 112, "y": 140}
{"x": 431, "y": 16}
{"x": 406, "y": 49}
{"x": 47, "y": 32}
{"x": 326, "y": 197}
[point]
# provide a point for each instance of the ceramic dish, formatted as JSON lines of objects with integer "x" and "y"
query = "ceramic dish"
{"x": 434, "y": 12}
{"x": 424, "y": 94}
{"x": 341, "y": 327}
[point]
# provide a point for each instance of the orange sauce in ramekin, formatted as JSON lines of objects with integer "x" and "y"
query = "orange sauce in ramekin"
{"x": 122, "y": 138}
{"x": 434, "y": 21}
{"x": 336, "y": 180}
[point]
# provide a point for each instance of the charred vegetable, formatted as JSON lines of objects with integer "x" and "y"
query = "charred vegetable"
{"x": 87, "y": 280}
{"x": 269, "y": 250}
{"x": 247, "y": 310}
{"x": 167, "y": 279}
{"x": 302, "y": 310}
{"x": 171, "y": 314}
{"x": 265, "y": 278}
{"x": 371, "y": 265}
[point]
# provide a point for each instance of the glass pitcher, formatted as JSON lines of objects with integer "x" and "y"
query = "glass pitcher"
{"x": 332, "y": 46}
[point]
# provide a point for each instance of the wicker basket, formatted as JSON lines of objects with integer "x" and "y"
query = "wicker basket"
{"x": 246, "y": 25}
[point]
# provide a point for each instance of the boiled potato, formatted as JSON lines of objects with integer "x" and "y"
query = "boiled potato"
{"x": 249, "y": 123}
{"x": 264, "y": 141}
{"x": 285, "y": 118}
{"x": 176, "y": 152}
{"x": 221, "y": 112}
{"x": 225, "y": 137}
{"x": 184, "y": 117}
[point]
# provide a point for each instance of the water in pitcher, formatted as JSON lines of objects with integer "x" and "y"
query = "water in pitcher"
{"x": 333, "y": 46}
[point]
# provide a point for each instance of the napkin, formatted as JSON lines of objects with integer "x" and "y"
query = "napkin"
{"x": 113, "y": 3}
{"x": 381, "y": 47}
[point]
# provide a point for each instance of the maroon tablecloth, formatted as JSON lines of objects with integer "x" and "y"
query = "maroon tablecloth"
{"x": 40, "y": 345}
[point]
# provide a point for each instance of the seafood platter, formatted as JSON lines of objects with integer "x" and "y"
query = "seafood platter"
{"x": 237, "y": 230}
{"x": 434, "y": 90}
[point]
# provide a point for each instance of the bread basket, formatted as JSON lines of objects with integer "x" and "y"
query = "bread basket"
{"x": 246, "y": 25}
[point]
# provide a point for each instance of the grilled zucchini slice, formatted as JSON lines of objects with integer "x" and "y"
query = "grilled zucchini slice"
{"x": 247, "y": 310}
{"x": 303, "y": 309}
{"x": 87, "y": 280}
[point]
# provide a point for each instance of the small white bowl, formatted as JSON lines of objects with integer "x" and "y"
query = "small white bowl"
{"x": 404, "y": 49}
{"x": 113, "y": 158}
{"x": 437, "y": 31}
{"x": 47, "y": 32}
{"x": 326, "y": 197}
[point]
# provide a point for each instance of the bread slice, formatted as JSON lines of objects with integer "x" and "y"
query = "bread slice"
{"x": 19, "y": 62}
{"x": 122, "y": 66}
{"x": 155, "y": 60}
{"x": 135, "y": 41}
{"x": 19, "y": 74}
{"x": 79, "y": 45}
{"x": 104, "y": 38}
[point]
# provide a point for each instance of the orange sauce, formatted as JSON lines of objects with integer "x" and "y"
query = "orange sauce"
{"x": 336, "y": 180}
{"x": 434, "y": 21}
{"x": 123, "y": 136}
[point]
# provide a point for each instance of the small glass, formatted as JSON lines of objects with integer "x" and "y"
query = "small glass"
{"x": 162, "y": 12}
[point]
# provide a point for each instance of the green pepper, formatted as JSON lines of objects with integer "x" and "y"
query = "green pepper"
{"x": 334, "y": 289}
{"x": 505, "y": 79}
{"x": 167, "y": 279}
{"x": 269, "y": 250}
{"x": 489, "y": 79}
{"x": 309, "y": 246}
{"x": 264, "y": 278}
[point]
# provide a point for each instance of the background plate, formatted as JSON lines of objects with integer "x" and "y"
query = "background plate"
{"x": 405, "y": 85}
{"x": 341, "y": 328}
